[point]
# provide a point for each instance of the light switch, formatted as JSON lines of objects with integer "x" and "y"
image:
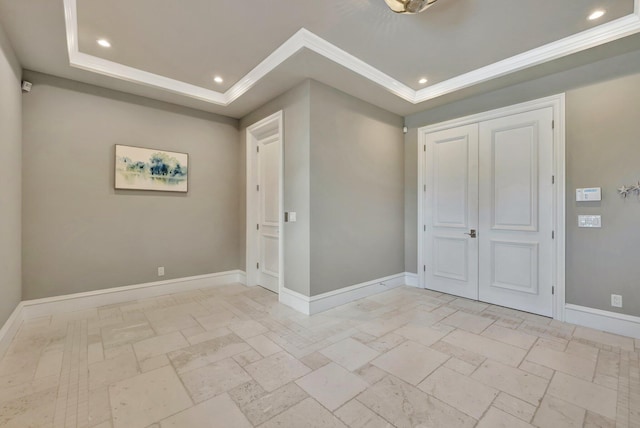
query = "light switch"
{"x": 589, "y": 221}
{"x": 292, "y": 217}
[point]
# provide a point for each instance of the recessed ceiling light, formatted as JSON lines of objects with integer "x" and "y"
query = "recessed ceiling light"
{"x": 423, "y": 81}
{"x": 218, "y": 79}
{"x": 104, "y": 43}
{"x": 596, "y": 14}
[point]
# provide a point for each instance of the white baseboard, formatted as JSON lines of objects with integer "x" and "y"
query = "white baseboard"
{"x": 612, "y": 322}
{"x": 10, "y": 329}
{"x": 325, "y": 301}
{"x": 93, "y": 299}
{"x": 411, "y": 279}
{"x": 294, "y": 300}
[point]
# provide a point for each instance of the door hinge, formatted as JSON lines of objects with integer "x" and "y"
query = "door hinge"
{"x": 424, "y": 268}
{"x": 553, "y": 290}
{"x": 553, "y": 234}
{"x": 425, "y": 147}
{"x": 425, "y": 187}
{"x": 258, "y": 149}
{"x": 553, "y": 179}
{"x": 257, "y": 265}
{"x": 425, "y": 227}
{"x": 257, "y": 227}
{"x": 257, "y": 187}
{"x": 553, "y": 124}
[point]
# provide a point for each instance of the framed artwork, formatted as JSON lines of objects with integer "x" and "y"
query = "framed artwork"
{"x": 138, "y": 168}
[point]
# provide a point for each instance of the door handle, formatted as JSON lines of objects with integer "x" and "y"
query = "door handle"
{"x": 472, "y": 233}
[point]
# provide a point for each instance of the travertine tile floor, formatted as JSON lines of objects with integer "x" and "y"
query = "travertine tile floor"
{"x": 233, "y": 357}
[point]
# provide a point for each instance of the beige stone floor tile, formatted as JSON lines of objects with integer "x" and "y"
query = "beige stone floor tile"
{"x": 159, "y": 345}
{"x": 208, "y": 381}
{"x": 563, "y": 361}
{"x": 218, "y": 412}
{"x": 308, "y": 414}
{"x": 498, "y": 351}
{"x": 405, "y": 406}
{"x": 584, "y": 394}
{"x": 332, "y": 385}
{"x": 247, "y": 357}
{"x": 315, "y": 360}
{"x": 147, "y": 398}
{"x": 554, "y": 412}
{"x": 259, "y": 406}
{"x": 410, "y": 362}
{"x": 172, "y": 323}
{"x": 263, "y": 345}
{"x": 510, "y": 336}
{"x": 516, "y": 382}
{"x": 349, "y": 353}
{"x": 460, "y": 366}
{"x": 50, "y": 364}
{"x": 127, "y": 332}
{"x": 462, "y": 354}
{"x": 495, "y": 418}
{"x": 276, "y": 370}
{"x": 370, "y": 373}
{"x": 468, "y": 305}
{"x": 99, "y": 406}
{"x": 536, "y": 369}
{"x": 154, "y": 363}
{"x": 514, "y": 406}
{"x": 208, "y": 352}
{"x": 459, "y": 391}
{"x": 594, "y": 420}
{"x": 95, "y": 352}
{"x": 247, "y": 329}
{"x": 216, "y": 320}
{"x": 422, "y": 334}
{"x": 357, "y": 415}
{"x": 386, "y": 342}
{"x": 614, "y": 340}
{"x": 466, "y": 321}
{"x": 135, "y": 355}
{"x": 119, "y": 351}
{"x": 106, "y": 372}
{"x": 206, "y": 335}
{"x": 34, "y": 410}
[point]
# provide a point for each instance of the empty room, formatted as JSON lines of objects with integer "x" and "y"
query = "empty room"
{"x": 336, "y": 213}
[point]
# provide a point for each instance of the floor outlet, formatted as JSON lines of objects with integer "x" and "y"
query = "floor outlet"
{"x": 161, "y": 271}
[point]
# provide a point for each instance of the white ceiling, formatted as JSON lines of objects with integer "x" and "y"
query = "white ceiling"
{"x": 170, "y": 50}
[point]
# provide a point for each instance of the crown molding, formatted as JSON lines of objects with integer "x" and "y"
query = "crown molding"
{"x": 305, "y": 39}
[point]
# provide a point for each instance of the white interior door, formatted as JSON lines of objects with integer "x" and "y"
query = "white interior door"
{"x": 268, "y": 226}
{"x": 451, "y": 211}
{"x": 516, "y": 211}
{"x": 493, "y": 177}
{"x": 265, "y": 264}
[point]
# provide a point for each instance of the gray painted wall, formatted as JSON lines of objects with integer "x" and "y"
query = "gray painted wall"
{"x": 79, "y": 234}
{"x": 603, "y": 150}
{"x": 295, "y": 107}
{"x": 357, "y": 213}
{"x": 11, "y": 179}
{"x": 603, "y": 132}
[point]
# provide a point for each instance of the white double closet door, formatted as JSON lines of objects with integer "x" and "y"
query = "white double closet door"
{"x": 488, "y": 210}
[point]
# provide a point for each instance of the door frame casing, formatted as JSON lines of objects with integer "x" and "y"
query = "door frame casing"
{"x": 557, "y": 103}
{"x": 253, "y": 135}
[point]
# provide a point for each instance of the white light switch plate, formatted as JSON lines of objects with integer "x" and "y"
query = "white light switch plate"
{"x": 589, "y": 221}
{"x": 292, "y": 217}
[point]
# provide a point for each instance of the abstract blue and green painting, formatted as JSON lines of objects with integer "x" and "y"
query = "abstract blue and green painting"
{"x": 138, "y": 168}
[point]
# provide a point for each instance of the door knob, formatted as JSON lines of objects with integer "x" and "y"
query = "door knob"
{"x": 472, "y": 233}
